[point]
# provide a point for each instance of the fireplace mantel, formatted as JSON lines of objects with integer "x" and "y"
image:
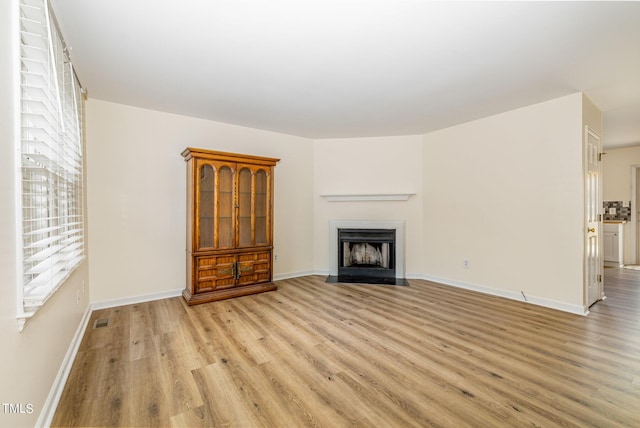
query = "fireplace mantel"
{"x": 352, "y": 197}
{"x": 334, "y": 225}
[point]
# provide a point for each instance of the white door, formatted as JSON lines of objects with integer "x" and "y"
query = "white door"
{"x": 634, "y": 208}
{"x": 593, "y": 255}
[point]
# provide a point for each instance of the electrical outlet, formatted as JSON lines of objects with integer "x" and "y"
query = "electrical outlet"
{"x": 275, "y": 257}
{"x": 466, "y": 263}
{"x": 78, "y": 297}
{"x": 84, "y": 289}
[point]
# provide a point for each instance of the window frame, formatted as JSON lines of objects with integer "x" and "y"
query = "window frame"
{"x": 50, "y": 184}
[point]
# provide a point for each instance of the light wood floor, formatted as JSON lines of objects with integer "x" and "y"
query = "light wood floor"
{"x": 333, "y": 355}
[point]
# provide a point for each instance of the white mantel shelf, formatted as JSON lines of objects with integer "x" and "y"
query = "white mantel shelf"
{"x": 367, "y": 197}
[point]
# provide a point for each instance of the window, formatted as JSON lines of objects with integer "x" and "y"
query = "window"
{"x": 51, "y": 162}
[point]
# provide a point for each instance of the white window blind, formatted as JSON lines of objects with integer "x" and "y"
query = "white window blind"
{"x": 51, "y": 143}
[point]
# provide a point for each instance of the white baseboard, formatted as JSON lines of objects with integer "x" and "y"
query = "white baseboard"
{"x": 534, "y": 300}
{"x": 51, "y": 403}
{"x": 290, "y": 275}
{"x": 104, "y": 304}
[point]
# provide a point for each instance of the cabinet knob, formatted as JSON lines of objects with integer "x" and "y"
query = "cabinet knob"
{"x": 591, "y": 230}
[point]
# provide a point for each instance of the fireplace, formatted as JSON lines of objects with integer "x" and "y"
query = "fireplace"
{"x": 367, "y": 252}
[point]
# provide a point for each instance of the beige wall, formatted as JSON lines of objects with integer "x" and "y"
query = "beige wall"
{"x": 591, "y": 116}
{"x": 506, "y": 193}
{"x": 368, "y": 166}
{"x": 31, "y": 359}
{"x": 616, "y": 172}
{"x": 136, "y": 185}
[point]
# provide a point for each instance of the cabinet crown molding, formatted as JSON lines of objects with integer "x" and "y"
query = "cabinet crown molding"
{"x": 191, "y": 152}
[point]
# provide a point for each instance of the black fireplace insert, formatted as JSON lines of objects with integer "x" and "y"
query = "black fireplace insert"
{"x": 367, "y": 253}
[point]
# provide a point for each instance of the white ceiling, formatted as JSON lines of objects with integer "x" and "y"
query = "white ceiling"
{"x": 324, "y": 69}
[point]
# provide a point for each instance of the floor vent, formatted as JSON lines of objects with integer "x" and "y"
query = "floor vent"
{"x": 101, "y": 322}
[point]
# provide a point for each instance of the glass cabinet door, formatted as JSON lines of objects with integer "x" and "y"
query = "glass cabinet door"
{"x": 225, "y": 207}
{"x": 253, "y": 207}
{"x": 261, "y": 207}
{"x": 207, "y": 206}
{"x": 245, "y": 208}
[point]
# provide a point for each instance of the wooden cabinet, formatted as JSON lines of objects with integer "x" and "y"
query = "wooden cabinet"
{"x": 229, "y": 225}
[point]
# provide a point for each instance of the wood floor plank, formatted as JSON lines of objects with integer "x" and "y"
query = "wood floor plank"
{"x": 225, "y": 397}
{"x": 176, "y": 365}
{"x": 150, "y": 404}
{"x": 338, "y": 355}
